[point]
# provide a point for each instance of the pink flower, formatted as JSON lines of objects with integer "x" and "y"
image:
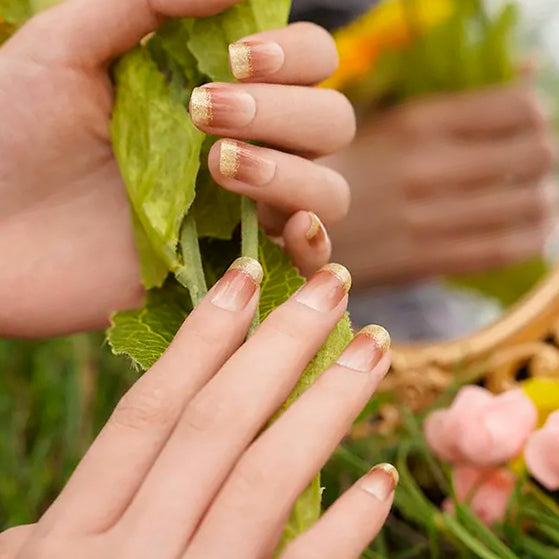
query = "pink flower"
{"x": 481, "y": 429}
{"x": 486, "y": 491}
{"x": 542, "y": 453}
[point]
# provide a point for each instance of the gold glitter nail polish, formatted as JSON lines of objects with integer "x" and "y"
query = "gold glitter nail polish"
{"x": 391, "y": 471}
{"x": 201, "y": 106}
{"x": 379, "y": 335}
{"x": 315, "y": 228}
{"x": 240, "y": 56}
{"x": 341, "y": 272}
{"x": 250, "y": 267}
{"x": 229, "y": 159}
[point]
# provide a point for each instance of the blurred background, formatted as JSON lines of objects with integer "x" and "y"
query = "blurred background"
{"x": 56, "y": 394}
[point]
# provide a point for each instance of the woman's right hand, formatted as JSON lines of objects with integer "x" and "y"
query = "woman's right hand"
{"x": 448, "y": 184}
{"x": 185, "y": 469}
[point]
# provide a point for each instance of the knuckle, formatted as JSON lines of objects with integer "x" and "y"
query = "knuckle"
{"x": 143, "y": 407}
{"x": 202, "y": 416}
{"x": 251, "y": 475}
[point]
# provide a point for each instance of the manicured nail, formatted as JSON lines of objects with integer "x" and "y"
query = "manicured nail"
{"x": 222, "y": 106}
{"x": 316, "y": 230}
{"x": 245, "y": 163}
{"x": 255, "y": 59}
{"x": 327, "y": 288}
{"x": 238, "y": 286}
{"x": 381, "y": 481}
{"x": 364, "y": 353}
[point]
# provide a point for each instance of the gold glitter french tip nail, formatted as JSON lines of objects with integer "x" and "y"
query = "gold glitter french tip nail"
{"x": 250, "y": 267}
{"x": 252, "y": 59}
{"x": 381, "y": 481}
{"x": 316, "y": 228}
{"x": 201, "y": 106}
{"x": 379, "y": 336}
{"x": 326, "y": 289}
{"x": 237, "y": 288}
{"x": 245, "y": 163}
{"x": 341, "y": 273}
{"x": 366, "y": 350}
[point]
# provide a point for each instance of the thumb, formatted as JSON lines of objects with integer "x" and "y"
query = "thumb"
{"x": 93, "y": 32}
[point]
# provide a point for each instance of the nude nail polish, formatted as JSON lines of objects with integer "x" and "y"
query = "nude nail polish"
{"x": 381, "y": 481}
{"x": 222, "y": 106}
{"x": 326, "y": 289}
{"x": 253, "y": 59}
{"x": 245, "y": 163}
{"x": 366, "y": 350}
{"x": 237, "y": 287}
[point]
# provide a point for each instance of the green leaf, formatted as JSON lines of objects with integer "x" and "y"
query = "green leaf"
{"x": 144, "y": 335}
{"x": 158, "y": 150}
{"x": 15, "y": 12}
{"x": 217, "y": 211}
{"x": 507, "y": 284}
{"x": 210, "y": 37}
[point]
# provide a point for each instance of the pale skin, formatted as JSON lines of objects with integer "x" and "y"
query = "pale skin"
{"x": 184, "y": 469}
{"x": 446, "y": 185}
{"x": 188, "y": 466}
{"x": 66, "y": 244}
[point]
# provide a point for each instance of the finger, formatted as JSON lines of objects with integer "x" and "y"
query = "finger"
{"x": 483, "y": 211}
{"x": 307, "y": 243}
{"x": 13, "y": 540}
{"x": 301, "y": 54}
{"x": 524, "y": 158}
{"x": 218, "y": 425}
{"x": 471, "y": 254}
{"x": 286, "y": 182}
{"x": 352, "y": 522}
{"x": 262, "y": 489}
{"x": 307, "y": 120}
{"x": 116, "y": 464}
{"x": 93, "y": 33}
{"x": 493, "y": 111}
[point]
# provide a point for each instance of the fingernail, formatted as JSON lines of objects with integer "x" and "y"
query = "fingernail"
{"x": 222, "y": 106}
{"x": 327, "y": 288}
{"x": 381, "y": 481}
{"x": 364, "y": 353}
{"x": 245, "y": 163}
{"x": 316, "y": 230}
{"x": 255, "y": 59}
{"x": 237, "y": 287}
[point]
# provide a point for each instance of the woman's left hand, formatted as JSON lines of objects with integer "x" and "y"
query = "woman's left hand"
{"x": 66, "y": 244}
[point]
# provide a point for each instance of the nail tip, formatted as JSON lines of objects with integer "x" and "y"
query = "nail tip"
{"x": 240, "y": 57}
{"x": 250, "y": 267}
{"x": 379, "y": 335}
{"x": 201, "y": 106}
{"x": 229, "y": 159}
{"x": 315, "y": 227}
{"x": 341, "y": 272}
{"x": 390, "y": 470}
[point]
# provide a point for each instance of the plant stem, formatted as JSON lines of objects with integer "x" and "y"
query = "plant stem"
{"x": 191, "y": 273}
{"x": 250, "y": 242}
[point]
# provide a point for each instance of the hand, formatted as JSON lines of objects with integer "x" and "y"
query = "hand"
{"x": 184, "y": 469}
{"x": 66, "y": 245}
{"x": 448, "y": 185}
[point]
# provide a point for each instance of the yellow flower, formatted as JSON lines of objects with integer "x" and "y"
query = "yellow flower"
{"x": 544, "y": 392}
{"x": 386, "y": 27}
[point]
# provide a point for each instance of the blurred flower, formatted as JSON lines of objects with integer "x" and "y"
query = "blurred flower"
{"x": 486, "y": 491}
{"x": 481, "y": 429}
{"x": 387, "y": 26}
{"x": 544, "y": 392}
{"x": 542, "y": 453}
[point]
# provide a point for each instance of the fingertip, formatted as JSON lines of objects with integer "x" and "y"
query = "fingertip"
{"x": 307, "y": 242}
